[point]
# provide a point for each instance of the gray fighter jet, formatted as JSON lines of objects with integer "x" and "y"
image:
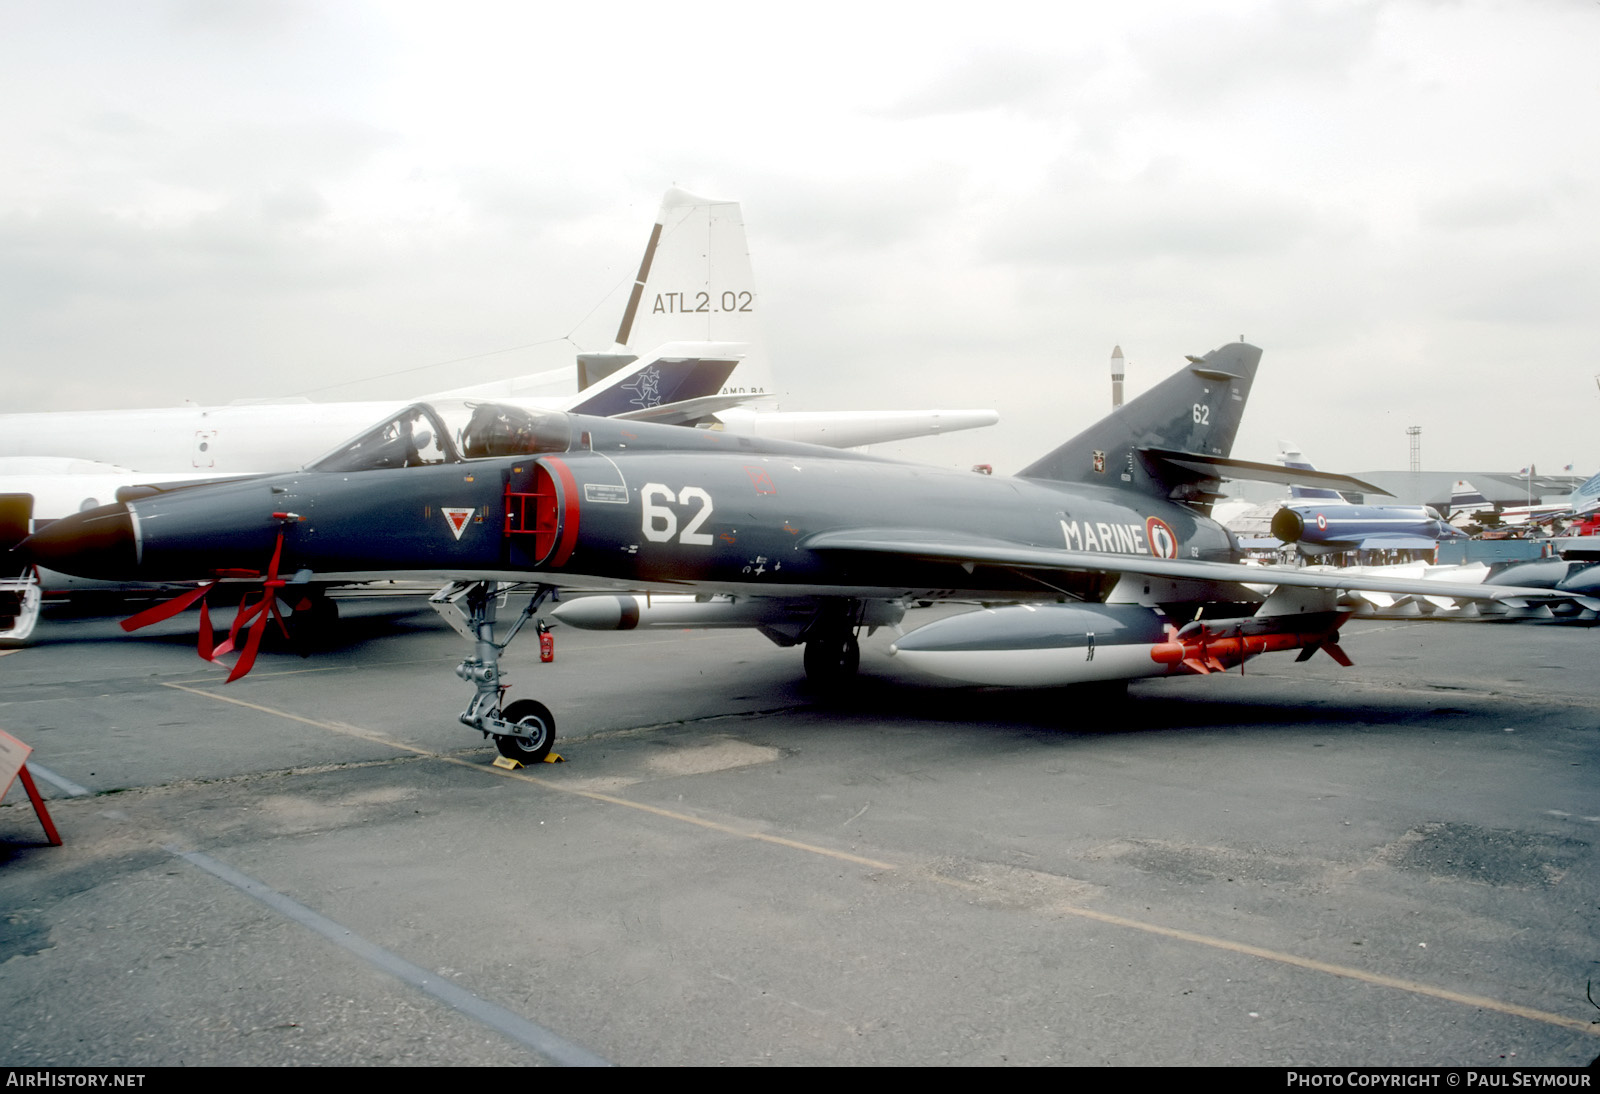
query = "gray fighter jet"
{"x": 1101, "y": 554}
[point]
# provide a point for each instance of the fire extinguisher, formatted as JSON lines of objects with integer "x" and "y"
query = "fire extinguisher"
{"x": 547, "y": 643}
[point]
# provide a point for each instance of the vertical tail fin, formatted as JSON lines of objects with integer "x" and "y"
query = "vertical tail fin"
{"x": 695, "y": 284}
{"x": 1290, "y": 456}
{"x": 1195, "y": 412}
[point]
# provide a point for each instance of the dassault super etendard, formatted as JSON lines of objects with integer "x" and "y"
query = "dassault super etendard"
{"x": 1101, "y": 555}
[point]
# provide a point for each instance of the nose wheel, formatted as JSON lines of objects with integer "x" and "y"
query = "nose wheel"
{"x": 538, "y": 732}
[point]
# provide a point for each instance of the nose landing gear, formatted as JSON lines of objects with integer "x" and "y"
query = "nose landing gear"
{"x": 523, "y": 731}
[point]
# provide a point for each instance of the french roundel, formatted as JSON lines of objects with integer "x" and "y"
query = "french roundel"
{"x": 1322, "y": 522}
{"x": 1163, "y": 543}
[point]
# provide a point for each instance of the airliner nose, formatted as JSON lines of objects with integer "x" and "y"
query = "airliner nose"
{"x": 97, "y": 543}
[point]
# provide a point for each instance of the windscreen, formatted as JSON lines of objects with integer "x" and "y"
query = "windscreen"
{"x": 413, "y": 438}
{"x": 449, "y": 432}
{"x": 504, "y": 429}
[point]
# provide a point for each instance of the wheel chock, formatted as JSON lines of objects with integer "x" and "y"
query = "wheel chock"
{"x": 517, "y": 765}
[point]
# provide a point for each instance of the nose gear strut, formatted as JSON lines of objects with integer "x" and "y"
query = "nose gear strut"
{"x": 524, "y": 730}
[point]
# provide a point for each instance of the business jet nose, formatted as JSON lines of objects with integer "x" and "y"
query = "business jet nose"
{"x": 97, "y": 543}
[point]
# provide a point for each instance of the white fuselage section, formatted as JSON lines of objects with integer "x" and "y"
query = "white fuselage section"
{"x": 192, "y": 440}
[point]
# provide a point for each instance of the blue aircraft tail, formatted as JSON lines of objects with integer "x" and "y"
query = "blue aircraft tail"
{"x": 1292, "y": 457}
{"x": 678, "y": 372}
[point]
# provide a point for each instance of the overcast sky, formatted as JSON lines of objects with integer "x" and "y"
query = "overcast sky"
{"x": 947, "y": 205}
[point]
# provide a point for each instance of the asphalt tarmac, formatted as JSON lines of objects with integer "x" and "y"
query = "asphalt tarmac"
{"x": 1391, "y": 864}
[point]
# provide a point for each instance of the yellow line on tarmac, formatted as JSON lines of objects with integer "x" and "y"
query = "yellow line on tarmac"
{"x": 377, "y": 738}
{"x": 331, "y": 727}
{"x": 1345, "y": 971}
{"x": 1245, "y": 949}
{"x": 715, "y": 826}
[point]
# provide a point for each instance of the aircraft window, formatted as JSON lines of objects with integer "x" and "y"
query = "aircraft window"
{"x": 413, "y": 439}
{"x": 447, "y": 431}
{"x": 500, "y": 429}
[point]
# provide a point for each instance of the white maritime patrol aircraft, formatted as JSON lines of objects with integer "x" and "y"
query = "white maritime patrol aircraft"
{"x": 695, "y": 281}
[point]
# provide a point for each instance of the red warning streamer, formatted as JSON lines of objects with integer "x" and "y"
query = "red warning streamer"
{"x": 252, "y": 613}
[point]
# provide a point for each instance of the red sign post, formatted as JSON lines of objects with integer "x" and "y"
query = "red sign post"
{"x": 14, "y": 762}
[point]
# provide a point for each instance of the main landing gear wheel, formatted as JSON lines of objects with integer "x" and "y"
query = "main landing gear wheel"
{"x": 534, "y": 717}
{"x": 832, "y": 660}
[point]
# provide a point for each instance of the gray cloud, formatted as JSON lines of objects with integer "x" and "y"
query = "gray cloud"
{"x": 257, "y": 155}
{"x": 294, "y": 204}
{"x": 1196, "y": 58}
{"x": 991, "y": 79}
{"x": 858, "y": 212}
{"x": 1106, "y": 221}
{"x": 1494, "y": 205}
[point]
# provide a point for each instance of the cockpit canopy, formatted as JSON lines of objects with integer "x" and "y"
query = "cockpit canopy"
{"x": 451, "y": 431}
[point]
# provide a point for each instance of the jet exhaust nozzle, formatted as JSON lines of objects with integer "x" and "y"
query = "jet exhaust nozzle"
{"x": 1288, "y": 526}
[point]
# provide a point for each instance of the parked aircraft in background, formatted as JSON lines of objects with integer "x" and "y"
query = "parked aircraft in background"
{"x": 1104, "y": 545}
{"x": 1586, "y": 498}
{"x": 695, "y": 281}
{"x": 1321, "y": 521}
{"x": 1515, "y": 516}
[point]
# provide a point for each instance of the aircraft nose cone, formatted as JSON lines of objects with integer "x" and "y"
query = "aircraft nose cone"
{"x": 97, "y": 543}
